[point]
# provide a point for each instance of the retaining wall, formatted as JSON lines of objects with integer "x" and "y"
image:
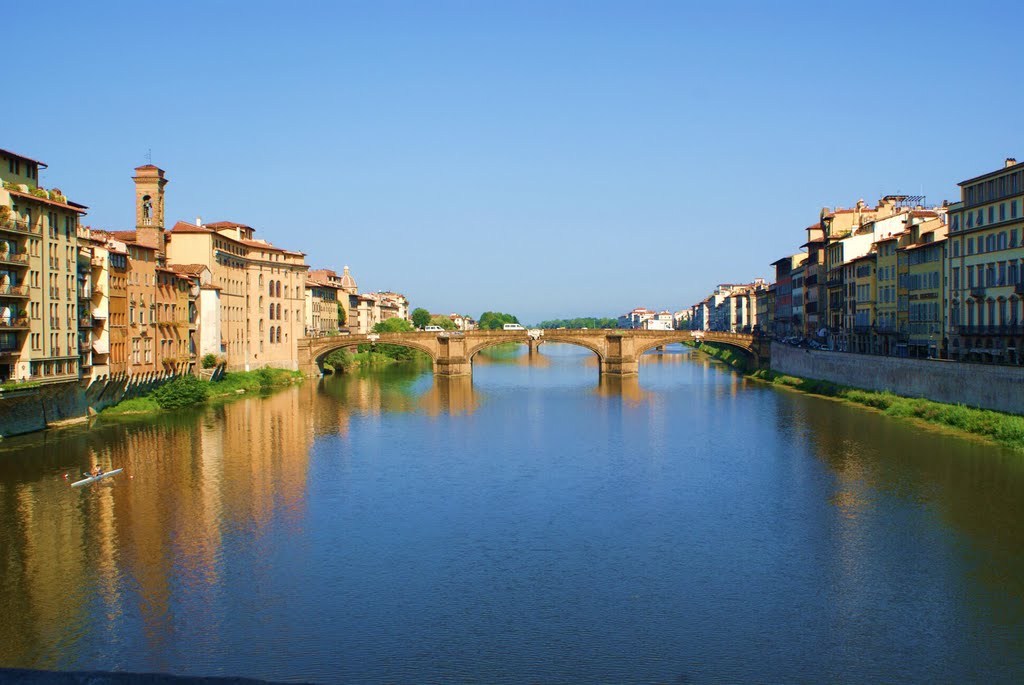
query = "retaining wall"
{"x": 25, "y": 411}
{"x": 977, "y": 385}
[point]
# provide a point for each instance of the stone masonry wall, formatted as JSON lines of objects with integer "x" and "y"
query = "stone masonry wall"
{"x": 25, "y": 411}
{"x": 990, "y": 387}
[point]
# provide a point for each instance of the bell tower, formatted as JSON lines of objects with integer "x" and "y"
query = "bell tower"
{"x": 149, "y": 207}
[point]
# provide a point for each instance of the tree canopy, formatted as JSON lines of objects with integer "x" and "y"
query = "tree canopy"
{"x": 580, "y": 322}
{"x": 420, "y": 317}
{"x": 393, "y": 325}
{"x": 444, "y": 322}
{"x": 492, "y": 321}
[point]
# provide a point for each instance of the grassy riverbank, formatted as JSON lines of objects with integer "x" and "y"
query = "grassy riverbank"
{"x": 385, "y": 355}
{"x": 189, "y": 391}
{"x": 1003, "y": 429}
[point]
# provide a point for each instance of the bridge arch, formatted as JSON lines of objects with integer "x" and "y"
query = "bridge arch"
{"x": 483, "y": 345}
{"x": 343, "y": 343}
{"x": 648, "y": 345}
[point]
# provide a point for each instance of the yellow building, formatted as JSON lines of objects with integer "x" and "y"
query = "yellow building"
{"x": 886, "y": 326}
{"x": 926, "y": 287}
{"x": 38, "y": 276}
{"x": 862, "y": 283}
{"x": 986, "y": 264}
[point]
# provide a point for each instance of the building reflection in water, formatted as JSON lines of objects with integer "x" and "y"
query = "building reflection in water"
{"x": 189, "y": 481}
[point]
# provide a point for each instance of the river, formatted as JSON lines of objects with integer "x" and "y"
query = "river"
{"x": 535, "y": 524}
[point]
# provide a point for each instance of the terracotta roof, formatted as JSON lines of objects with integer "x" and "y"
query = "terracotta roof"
{"x": 73, "y": 206}
{"x": 147, "y": 166}
{"x": 188, "y": 268}
{"x": 126, "y": 236}
{"x": 217, "y": 225}
{"x": 207, "y": 286}
{"x": 260, "y": 244}
{"x": 27, "y": 159}
{"x": 186, "y": 227}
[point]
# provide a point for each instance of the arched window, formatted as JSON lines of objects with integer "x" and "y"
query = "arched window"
{"x": 970, "y": 312}
{"x": 278, "y": 334}
{"x": 271, "y": 335}
{"x": 261, "y": 280}
{"x": 261, "y": 325}
{"x": 271, "y": 311}
{"x": 279, "y": 311}
{"x": 279, "y": 288}
{"x": 271, "y": 293}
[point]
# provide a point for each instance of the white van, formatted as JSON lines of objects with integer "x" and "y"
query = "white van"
{"x": 513, "y": 327}
{"x": 433, "y": 329}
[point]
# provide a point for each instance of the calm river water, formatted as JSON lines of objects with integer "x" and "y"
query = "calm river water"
{"x": 534, "y": 525}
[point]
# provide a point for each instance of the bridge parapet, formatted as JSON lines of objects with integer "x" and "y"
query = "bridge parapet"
{"x": 452, "y": 352}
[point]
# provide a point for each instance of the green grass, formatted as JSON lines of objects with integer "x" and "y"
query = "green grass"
{"x": 137, "y": 405}
{"x": 259, "y": 381}
{"x": 724, "y": 353}
{"x": 19, "y": 385}
{"x": 1004, "y": 429}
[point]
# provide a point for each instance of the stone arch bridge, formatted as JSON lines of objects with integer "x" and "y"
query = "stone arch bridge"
{"x": 452, "y": 352}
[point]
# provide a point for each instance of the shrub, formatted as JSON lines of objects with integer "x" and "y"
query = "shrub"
{"x": 209, "y": 360}
{"x": 184, "y": 391}
{"x": 338, "y": 359}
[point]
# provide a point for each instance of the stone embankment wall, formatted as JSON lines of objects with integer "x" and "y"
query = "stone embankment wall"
{"x": 989, "y": 387}
{"x": 33, "y": 409}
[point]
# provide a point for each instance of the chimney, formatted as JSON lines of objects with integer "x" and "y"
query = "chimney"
{"x": 199, "y": 221}
{"x": 1010, "y": 161}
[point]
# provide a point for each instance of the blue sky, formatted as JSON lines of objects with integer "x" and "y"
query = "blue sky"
{"x": 550, "y": 159}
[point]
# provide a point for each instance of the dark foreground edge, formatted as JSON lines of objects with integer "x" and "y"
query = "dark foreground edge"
{"x": 24, "y": 676}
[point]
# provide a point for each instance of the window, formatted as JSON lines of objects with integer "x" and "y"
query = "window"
{"x": 1002, "y": 211}
{"x": 991, "y": 214}
{"x": 1002, "y": 240}
{"x": 970, "y": 246}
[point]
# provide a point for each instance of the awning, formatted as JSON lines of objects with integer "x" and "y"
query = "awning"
{"x": 100, "y": 347}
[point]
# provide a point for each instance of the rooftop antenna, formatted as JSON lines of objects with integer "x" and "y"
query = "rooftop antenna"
{"x": 149, "y": 155}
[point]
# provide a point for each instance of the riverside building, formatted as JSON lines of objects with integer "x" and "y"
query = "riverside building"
{"x": 986, "y": 267}
{"x": 38, "y": 276}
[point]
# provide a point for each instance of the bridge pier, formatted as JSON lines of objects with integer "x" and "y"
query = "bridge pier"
{"x": 620, "y": 366}
{"x": 453, "y": 366}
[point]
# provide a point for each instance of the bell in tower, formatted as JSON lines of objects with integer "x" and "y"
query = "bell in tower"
{"x": 149, "y": 206}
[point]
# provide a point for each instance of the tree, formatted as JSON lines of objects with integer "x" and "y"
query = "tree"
{"x": 393, "y": 325}
{"x": 444, "y": 322}
{"x": 341, "y": 314}
{"x": 420, "y": 317}
{"x": 492, "y": 321}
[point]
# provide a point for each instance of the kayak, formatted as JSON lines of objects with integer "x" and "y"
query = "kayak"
{"x": 93, "y": 479}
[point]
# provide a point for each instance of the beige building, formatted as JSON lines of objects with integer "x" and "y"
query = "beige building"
{"x": 38, "y": 276}
{"x": 321, "y": 305}
{"x": 262, "y": 291}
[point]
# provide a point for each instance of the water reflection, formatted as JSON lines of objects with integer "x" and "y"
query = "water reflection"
{"x": 394, "y": 526}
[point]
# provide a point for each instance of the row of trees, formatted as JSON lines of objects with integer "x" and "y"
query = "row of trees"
{"x": 493, "y": 321}
{"x": 580, "y": 322}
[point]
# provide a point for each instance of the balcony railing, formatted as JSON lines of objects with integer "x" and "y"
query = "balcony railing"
{"x": 86, "y": 322}
{"x": 18, "y": 258}
{"x": 13, "y": 322}
{"x": 20, "y": 227}
{"x": 8, "y": 290}
{"x": 995, "y": 329}
{"x": 8, "y": 352}
{"x": 84, "y": 293}
{"x": 978, "y": 292}
{"x": 834, "y": 282}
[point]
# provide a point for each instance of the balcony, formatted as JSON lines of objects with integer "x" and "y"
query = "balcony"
{"x": 8, "y": 290}
{"x": 861, "y": 329}
{"x": 84, "y": 293}
{"x": 19, "y": 227}
{"x": 86, "y": 322}
{"x": 1018, "y": 288}
{"x": 14, "y": 322}
{"x": 15, "y": 258}
{"x": 978, "y": 293}
{"x": 996, "y": 329}
{"x": 834, "y": 282}
{"x": 10, "y": 352}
